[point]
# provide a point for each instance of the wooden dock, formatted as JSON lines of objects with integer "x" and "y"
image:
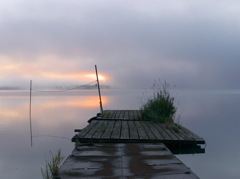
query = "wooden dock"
{"x": 124, "y": 160}
{"x": 126, "y": 126}
{"x": 118, "y": 144}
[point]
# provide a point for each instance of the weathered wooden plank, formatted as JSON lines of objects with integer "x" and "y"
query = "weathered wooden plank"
{"x": 130, "y": 115}
{"x": 193, "y": 136}
{"x": 177, "y": 134}
{"x": 117, "y": 112}
{"x": 121, "y": 114}
{"x": 185, "y": 136}
{"x": 133, "y": 130}
{"x": 124, "y": 161}
{"x": 126, "y": 115}
{"x": 114, "y": 113}
{"x": 161, "y": 131}
{"x": 148, "y": 131}
{"x": 152, "y": 131}
{"x": 108, "y": 132}
{"x": 102, "y": 116}
{"x": 163, "y": 126}
{"x": 135, "y": 115}
{"x": 101, "y": 130}
{"x": 125, "y": 130}
{"x": 116, "y": 130}
{"x": 90, "y": 134}
{"x": 107, "y": 114}
{"x": 138, "y": 114}
{"x": 141, "y": 131}
{"x": 190, "y": 133}
{"x": 87, "y": 129}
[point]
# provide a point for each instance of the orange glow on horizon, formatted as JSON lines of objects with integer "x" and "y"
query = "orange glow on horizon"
{"x": 94, "y": 77}
{"x": 46, "y": 70}
{"x": 82, "y": 102}
{"x": 45, "y": 106}
{"x": 80, "y": 76}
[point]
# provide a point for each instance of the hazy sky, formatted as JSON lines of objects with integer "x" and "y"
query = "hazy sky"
{"x": 189, "y": 43}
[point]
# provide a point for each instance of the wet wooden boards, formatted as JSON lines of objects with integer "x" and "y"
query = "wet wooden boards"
{"x": 124, "y": 160}
{"x": 126, "y": 126}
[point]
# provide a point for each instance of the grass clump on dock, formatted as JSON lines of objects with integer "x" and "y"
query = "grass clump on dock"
{"x": 52, "y": 165}
{"x": 176, "y": 127}
{"x": 160, "y": 106}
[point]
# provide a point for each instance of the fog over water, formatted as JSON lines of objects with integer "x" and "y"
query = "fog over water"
{"x": 193, "y": 45}
{"x": 211, "y": 114}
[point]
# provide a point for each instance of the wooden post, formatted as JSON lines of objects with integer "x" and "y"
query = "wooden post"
{"x": 30, "y": 111}
{"x": 101, "y": 109}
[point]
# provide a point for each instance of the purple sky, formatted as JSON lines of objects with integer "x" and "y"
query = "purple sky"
{"x": 191, "y": 44}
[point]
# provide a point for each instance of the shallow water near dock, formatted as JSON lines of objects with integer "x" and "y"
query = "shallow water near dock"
{"x": 213, "y": 115}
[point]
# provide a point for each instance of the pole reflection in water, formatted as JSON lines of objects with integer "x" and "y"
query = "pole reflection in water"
{"x": 213, "y": 116}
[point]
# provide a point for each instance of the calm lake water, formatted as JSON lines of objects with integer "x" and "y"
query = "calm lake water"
{"x": 213, "y": 115}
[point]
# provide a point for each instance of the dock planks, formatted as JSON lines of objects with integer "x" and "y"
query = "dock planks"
{"x": 118, "y": 144}
{"x": 124, "y": 160}
{"x": 125, "y": 126}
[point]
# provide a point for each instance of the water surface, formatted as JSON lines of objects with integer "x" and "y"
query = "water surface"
{"x": 213, "y": 115}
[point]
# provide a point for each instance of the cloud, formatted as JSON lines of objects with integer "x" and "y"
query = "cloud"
{"x": 187, "y": 43}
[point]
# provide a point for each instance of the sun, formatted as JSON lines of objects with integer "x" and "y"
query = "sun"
{"x": 93, "y": 76}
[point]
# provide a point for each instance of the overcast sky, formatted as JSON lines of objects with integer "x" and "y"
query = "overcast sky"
{"x": 189, "y": 43}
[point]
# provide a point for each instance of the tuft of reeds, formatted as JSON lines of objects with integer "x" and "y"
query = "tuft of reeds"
{"x": 160, "y": 106}
{"x": 52, "y": 165}
{"x": 76, "y": 143}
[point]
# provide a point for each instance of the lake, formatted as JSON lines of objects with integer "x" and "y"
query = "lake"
{"x": 211, "y": 114}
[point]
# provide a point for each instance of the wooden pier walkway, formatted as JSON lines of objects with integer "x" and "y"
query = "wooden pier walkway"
{"x": 124, "y": 160}
{"x": 118, "y": 144}
{"x": 126, "y": 126}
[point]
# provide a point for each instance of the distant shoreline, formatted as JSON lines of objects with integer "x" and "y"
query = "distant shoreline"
{"x": 75, "y": 87}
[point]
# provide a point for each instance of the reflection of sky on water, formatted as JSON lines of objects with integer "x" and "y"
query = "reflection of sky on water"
{"x": 213, "y": 116}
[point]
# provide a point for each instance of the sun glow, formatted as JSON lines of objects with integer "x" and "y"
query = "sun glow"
{"x": 42, "y": 71}
{"x": 93, "y": 76}
{"x": 79, "y": 76}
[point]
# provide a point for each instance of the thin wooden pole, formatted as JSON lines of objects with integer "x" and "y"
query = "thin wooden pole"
{"x": 30, "y": 111}
{"x": 99, "y": 93}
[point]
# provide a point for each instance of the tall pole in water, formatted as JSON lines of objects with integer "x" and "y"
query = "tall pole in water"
{"x": 30, "y": 111}
{"x": 101, "y": 109}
